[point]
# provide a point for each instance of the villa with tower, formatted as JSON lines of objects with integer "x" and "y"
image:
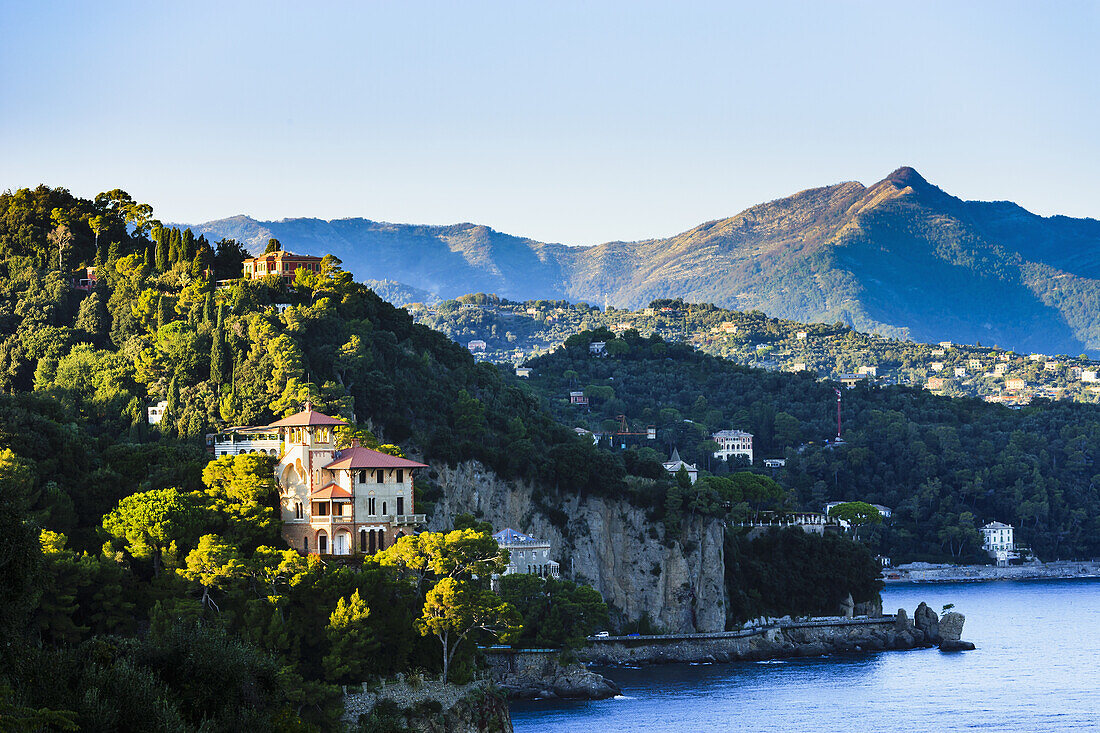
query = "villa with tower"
{"x": 337, "y": 500}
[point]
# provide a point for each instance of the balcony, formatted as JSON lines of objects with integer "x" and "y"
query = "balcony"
{"x": 410, "y": 519}
{"x": 332, "y": 520}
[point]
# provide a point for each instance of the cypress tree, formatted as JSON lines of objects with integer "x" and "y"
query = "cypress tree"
{"x": 162, "y": 251}
{"x": 163, "y": 316}
{"x": 186, "y": 246}
{"x": 217, "y": 352}
{"x": 208, "y": 308}
{"x": 175, "y": 247}
{"x": 149, "y": 257}
{"x": 171, "y": 412}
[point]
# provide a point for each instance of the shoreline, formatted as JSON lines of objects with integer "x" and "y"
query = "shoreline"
{"x": 928, "y": 573}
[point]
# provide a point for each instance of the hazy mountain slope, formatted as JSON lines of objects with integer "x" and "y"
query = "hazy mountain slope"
{"x": 901, "y": 257}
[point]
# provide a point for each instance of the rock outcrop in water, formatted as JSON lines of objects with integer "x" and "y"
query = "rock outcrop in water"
{"x": 951, "y": 626}
{"x": 608, "y": 543}
{"x": 529, "y": 675}
{"x": 928, "y": 622}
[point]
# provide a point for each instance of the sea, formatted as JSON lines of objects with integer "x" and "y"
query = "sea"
{"x": 1036, "y": 668}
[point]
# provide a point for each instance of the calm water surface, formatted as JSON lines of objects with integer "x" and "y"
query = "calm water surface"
{"x": 1036, "y": 668}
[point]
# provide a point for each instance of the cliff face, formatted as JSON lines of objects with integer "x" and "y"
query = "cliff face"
{"x": 609, "y": 544}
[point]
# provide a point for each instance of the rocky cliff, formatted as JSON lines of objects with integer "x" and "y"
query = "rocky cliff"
{"x": 608, "y": 543}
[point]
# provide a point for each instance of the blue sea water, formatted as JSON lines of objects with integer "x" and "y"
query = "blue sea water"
{"x": 1036, "y": 668}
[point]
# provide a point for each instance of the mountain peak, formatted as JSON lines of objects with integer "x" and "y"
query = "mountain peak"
{"x": 906, "y": 176}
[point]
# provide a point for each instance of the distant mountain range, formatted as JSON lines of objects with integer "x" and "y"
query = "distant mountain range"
{"x": 901, "y": 257}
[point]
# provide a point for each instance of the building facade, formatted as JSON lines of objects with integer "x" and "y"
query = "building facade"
{"x": 156, "y": 412}
{"x": 333, "y": 500}
{"x": 999, "y": 541}
{"x": 733, "y": 443}
{"x": 526, "y": 554}
{"x": 280, "y": 263}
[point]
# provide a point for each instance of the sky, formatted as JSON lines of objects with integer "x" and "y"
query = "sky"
{"x": 567, "y": 122}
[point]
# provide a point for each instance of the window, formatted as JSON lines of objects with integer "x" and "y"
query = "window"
{"x": 362, "y": 540}
{"x": 305, "y": 544}
{"x": 362, "y": 477}
{"x": 381, "y": 540}
{"x": 322, "y": 543}
{"x": 400, "y": 505}
{"x": 400, "y": 476}
{"x": 383, "y": 508}
{"x": 297, "y": 510}
{"x": 371, "y": 507}
{"x": 380, "y": 476}
{"x": 320, "y": 508}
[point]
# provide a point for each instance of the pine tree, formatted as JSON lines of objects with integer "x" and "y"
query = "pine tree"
{"x": 112, "y": 254}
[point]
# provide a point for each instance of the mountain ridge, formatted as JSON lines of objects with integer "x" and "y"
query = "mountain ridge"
{"x": 901, "y": 257}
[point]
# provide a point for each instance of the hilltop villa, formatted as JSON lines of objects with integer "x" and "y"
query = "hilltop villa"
{"x": 334, "y": 501}
{"x": 279, "y": 263}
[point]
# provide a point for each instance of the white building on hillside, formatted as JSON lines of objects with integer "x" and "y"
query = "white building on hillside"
{"x": 674, "y": 464}
{"x": 156, "y": 412}
{"x": 527, "y": 555}
{"x": 733, "y": 443}
{"x": 998, "y": 539}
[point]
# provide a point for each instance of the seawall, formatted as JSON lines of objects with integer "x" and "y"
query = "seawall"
{"x": 928, "y": 573}
{"x": 776, "y": 641}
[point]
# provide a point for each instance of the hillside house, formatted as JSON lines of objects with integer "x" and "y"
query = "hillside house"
{"x": 938, "y": 352}
{"x": 935, "y": 383}
{"x": 851, "y": 380}
{"x": 1075, "y": 373}
{"x": 526, "y": 555}
{"x": 936, "y": 366}
{"x": 946, "y": 344}
{"x": 998, "y": 540}
{"x": 477, "y": 345}
{"x": 1050, "y": 366}
{"x": 281, "y": 264}
{"x": 578, "y": 398}
{"x": 523, "y": 372}
{"x": 239, "y": 441}
{"x": 733, "y": 443}
{"x": 156, "y": 412}
{"x": 801, "y": 335}
{"x": 1015, "y": 384}
{"x": 975, "y": 365}
{"x": 674, "y": 464}
{"x": 339, "y": 501}
{"x": 775, "y": 462}
{"x": 85, "y": 279}
{"x": 869, "y": 371}
{"x": 798, "y": 366}
{"x": 1089, "y": 375}
{"x": 960, "y": 371}
{"x": 1000, "y": 369}
{"x": 1036, "y": 357}
{"x": 597, "y": 347}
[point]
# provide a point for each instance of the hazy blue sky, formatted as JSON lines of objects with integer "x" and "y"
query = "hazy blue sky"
{"x": 572, "y": 122}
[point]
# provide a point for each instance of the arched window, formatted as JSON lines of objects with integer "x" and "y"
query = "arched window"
{"x": 322, "y": 543}
{"x": 362, "y": 540}
{"x": 383, "y": 508}
{"x": 298, "y": 510}
{"x": 372, "y": 541}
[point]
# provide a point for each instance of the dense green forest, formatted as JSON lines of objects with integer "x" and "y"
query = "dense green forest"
{"x": 945, "y": 466}
{"x": 514, "y": 332}
{"x": 145, "y": 585}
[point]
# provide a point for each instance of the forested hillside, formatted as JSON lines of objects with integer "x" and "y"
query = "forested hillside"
{"x": 146, "y": 585}
{"x": 900, "y": 257}
{"x": 945, "y": 466}
{"x": 514, "y": 331}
